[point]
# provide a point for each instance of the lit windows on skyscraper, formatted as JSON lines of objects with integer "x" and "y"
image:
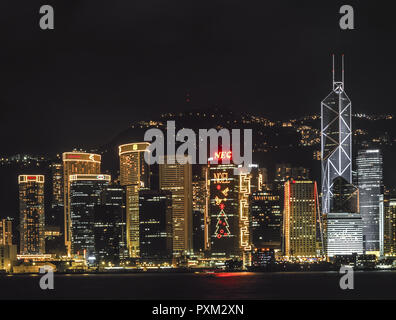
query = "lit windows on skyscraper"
{"x": 369, "y": 171}
{"x": 177, "y": 178}
{"x": 110, "y": 227}
{"x": 265, "y": 219}
{"x": 343, "y": 234}
{"x": 85, "y": 194}
{"x": 135, "y": 176}
{"x": 31, "y": 214}
{"x": 300, "y": 218}
{"x": 155, "y": 219}
{"x": 75, "y": 163}
{"x": 390, "y": 223}
{"x": 224, "y": 211}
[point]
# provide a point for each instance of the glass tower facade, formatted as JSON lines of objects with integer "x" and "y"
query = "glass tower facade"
{"x": 370, "y": 183}
{"x": 336, "y": 138}
{"x": 85, "y": 195}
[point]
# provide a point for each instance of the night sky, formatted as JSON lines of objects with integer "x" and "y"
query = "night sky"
{"x": 108, "y": 63}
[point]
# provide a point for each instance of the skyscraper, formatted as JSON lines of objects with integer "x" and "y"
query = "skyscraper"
{"x": 343, "y": 224}
{"x": 110, "y": 226}
{"x": 57, "y": 184}
{"x": 300, "y": 218}
{"x": 134, "y": 176}
{"x": 266, "y": 219}
{"x": 390, "y": 223}
{"x": 344, "y": 234}
{"x": 199, "y": 207}
{"x": 155, "y": 218}
{"x": 6, "y": 231}
{"x": 55, "y": 216}
{"x": 31, "y": 214}
{"x": 370, "y": 183}
{"x": 177, "y": 178}
{"x": 75, "y": 163}
{"x": 85, "y": 195}
{"x": 224, "y": 227}
{"x": 336, "y": 138}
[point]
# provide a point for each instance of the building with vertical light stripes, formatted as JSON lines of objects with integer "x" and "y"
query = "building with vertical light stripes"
{"x": 134, "y": 176}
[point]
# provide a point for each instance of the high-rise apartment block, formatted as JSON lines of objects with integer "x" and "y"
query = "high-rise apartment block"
{"x": 31, "y": 214}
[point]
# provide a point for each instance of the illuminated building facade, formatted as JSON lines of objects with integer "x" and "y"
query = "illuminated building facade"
{"x": 155, "y": 216}
{"x": 370, "y": 183}
{"x": 224, "y": 209}
{"x": 344, "y": 235}
{"x": 110, "y": 227}
{"x": 266, "y": 219}
{"x": 31, "y": 214}
{"x": 390, "y": 223}
{"x": 85, "y": 194}
{"x": 336, "y": 139}
{"x": 57, "y": 184}
{"x": 75, "y": 163}
{"x": 244, "y": 223}
{"x": 134, "y": 176}
{"x": 199, "y": 205}
{"x": 8, "y": 256}
{"x": 177, "y": 178}
{"x": 6, "y": 232}
{"x": 300, "y": 217}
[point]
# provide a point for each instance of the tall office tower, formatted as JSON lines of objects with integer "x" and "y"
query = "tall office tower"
{"x": 155, "y": 218}
{"x": 265, "y": 219}
{"x": 55, "y": 216}
{"x": 300, "y": 218}
{"x": 199, "y": 207}
{"x": 344, "y": 234}
{"x": 244, "y": 192}
{"x": 110, "y": 227}
{"x": 134, "y": 176}
{"x": 369, "y": 170}
{"x": 31, "y": 214}
{"x": 75, "y": 163}
{"x": 177, "y": 178}
{"x": 390, "y": 223}
{"x": 85, "y": 194}
{"x": 57, "y": 184}
{"x": 336, "y": 139}
{"x": 6, "y": 231}
{"x": 224, "y": 227}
